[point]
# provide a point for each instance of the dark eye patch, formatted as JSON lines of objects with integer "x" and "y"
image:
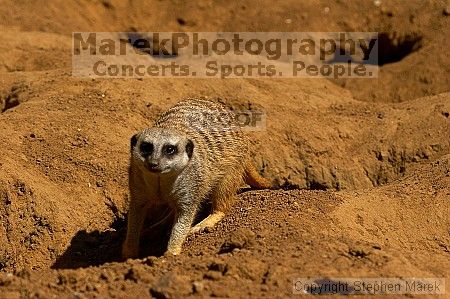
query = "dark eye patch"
{"x": 189, "y": 148}
{"x": 146, "y": 148}
{"x": 133, "y": 141}
{"x": 170, "y": 150}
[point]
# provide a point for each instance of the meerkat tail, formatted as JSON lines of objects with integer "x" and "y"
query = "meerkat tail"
{"x": 254, "y": 179}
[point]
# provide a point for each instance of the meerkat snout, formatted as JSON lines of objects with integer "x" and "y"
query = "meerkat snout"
{"x": 161, "y": 152}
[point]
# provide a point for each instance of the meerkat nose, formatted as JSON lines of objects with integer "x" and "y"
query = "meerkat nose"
{"x": 153, "y": 167}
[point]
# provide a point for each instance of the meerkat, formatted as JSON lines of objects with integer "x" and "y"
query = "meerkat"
{"x": 194, "y": 152}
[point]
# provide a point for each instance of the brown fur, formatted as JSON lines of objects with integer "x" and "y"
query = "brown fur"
{"x": 219, "y": 165}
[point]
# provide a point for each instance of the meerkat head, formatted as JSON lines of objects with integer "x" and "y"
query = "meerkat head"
{"x": 161, "y": 151}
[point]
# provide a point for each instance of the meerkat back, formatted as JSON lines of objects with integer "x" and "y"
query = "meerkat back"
{"x": 220, "y": 142}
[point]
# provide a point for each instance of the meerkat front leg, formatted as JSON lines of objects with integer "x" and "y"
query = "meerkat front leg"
{"x": 222, "y": 197}
{"x": 183, "y": 222}
{"x": 136, "y": 217}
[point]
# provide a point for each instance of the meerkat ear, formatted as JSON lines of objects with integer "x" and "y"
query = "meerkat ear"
{"x": 133, "y": 141}
{"x": 189, "y": 148}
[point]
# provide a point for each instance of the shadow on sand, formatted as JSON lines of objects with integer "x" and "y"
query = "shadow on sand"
{"x": 100, "y": 247}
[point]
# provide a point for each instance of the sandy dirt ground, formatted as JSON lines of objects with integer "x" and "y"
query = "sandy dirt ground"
{"x": 363, "y": 165}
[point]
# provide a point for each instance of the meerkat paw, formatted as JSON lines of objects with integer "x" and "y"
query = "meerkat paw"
{"x": 176, "y": 250}
{"x": 208, "y": 222}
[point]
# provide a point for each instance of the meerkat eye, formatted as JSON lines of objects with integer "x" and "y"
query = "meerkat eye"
{"x": 146, "y": 148}
{"x": 170, "y": 150}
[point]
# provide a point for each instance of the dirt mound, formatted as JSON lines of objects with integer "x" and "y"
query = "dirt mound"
{"x": 351, "y": 233}
{"x": 364, "y": 181}
{"x": 33, "y": 51}
{"x": 415, "y": 33}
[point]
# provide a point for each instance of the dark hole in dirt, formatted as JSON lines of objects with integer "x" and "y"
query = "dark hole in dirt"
{"x": 358, "y": 253}
{"x": 184, "y": 22}
{"x": 446, "y": 114}
{"x": 313, "y": 185}
{"x": 218, "y": 267}
{"x": 153, "y": 47}
{"x": 157, "y": 294}
{"x": 11, "y": 100}
{"x": 393, "y": 48}
{"x": 286, "y": 185}
{"x": 107, "y": 4}
{"x": 227, "y": 248}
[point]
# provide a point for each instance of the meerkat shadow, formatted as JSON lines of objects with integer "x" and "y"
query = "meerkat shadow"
{"x": 99, "y": 247}
{"x": 93, "y": 248}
